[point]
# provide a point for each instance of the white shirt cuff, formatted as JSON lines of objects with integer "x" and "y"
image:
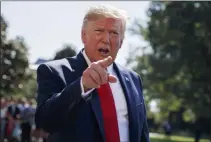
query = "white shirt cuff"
{"x": 85, "y": 94}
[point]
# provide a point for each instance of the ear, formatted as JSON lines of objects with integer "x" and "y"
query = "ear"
{"x": 83, "y": 35}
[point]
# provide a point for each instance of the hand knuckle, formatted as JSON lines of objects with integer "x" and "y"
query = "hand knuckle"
{"x": 85, "y": 73}
{"x": 93, "y": 65}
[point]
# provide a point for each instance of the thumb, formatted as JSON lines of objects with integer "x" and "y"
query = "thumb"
{"x": 112, "y": 79}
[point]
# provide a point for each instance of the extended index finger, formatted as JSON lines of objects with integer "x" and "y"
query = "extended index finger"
{"x": 106, "y": 62}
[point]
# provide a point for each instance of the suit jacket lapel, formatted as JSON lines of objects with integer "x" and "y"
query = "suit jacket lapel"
{"x": 131, "y": 105}
{"x": 95, "y": 102}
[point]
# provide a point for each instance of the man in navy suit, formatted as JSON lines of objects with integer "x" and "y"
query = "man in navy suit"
{"x": 89, "y": 98}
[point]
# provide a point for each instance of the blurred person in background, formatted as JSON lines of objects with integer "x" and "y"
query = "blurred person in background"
{"x": 3, "y": 108}
{"x": 13, "y": 118}
{"x": 89, "y": 97}
{"x": 27, "y": 119}
{"x": 167, "y": 128}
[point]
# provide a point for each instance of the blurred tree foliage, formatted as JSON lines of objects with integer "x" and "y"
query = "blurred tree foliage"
{"x": 66, "y": 51}
{"x": 14, "y": 63}
{"x": 29, "y": 86}
{"x": 177, "y": 72}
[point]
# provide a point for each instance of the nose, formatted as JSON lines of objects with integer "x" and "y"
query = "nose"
{"x": 106, "y": 37}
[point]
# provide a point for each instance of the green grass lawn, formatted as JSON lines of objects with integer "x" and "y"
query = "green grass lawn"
{"x": 162, "y": 138}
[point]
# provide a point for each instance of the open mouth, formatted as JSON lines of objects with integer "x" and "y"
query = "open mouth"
{"x": 103, "y": 51}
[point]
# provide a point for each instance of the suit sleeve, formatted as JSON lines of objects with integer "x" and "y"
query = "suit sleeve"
{"x": 54, "y": 103}
{"x": 145, "y": 129}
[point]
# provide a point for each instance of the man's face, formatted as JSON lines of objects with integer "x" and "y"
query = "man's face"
{"x": 3, "y": 103}
{"x": 102, "y": 38}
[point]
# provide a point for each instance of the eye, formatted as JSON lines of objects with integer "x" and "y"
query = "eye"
{"x": 99, "y": 30}
{"x": 114, "y": 32}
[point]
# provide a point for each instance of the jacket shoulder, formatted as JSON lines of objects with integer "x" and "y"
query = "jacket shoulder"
{"x": 128, "y": 70}
{"x": 58, "y": 64}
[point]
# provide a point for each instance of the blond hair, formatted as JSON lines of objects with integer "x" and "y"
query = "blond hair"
{"x": 104, "y": 10}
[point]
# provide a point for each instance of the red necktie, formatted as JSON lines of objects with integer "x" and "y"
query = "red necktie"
{"x": 109, "y": 113}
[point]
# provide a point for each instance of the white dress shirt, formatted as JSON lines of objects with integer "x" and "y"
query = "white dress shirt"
{"x": 119, "y": 100}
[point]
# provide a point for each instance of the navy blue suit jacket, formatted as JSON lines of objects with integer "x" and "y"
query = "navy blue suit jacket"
{"x": 67, "y": 117}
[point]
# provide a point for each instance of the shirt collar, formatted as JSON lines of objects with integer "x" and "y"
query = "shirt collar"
{"x": 89, "y": 62}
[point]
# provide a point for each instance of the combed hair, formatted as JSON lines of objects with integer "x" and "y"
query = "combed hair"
{"x": 104, "y": 10}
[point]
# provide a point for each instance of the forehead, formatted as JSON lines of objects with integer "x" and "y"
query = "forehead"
{"x": 107, "y": 23}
